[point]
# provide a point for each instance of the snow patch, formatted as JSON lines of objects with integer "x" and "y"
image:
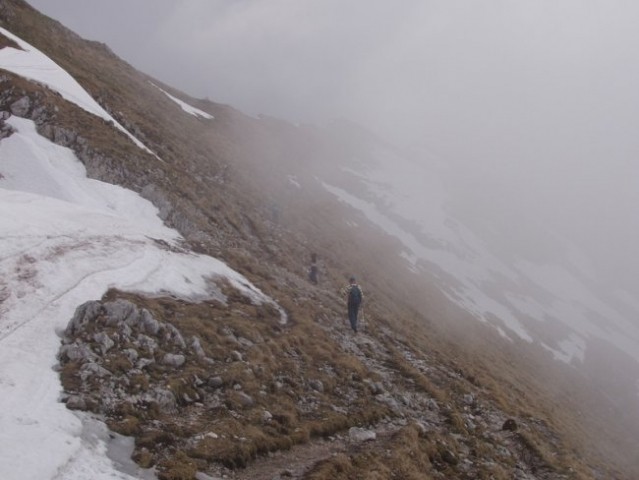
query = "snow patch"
{"x": 191, "y": 110}
{"x": 61, "y": 247}
{"x": 35, "y": 65}
{"x": 292, "y": 179}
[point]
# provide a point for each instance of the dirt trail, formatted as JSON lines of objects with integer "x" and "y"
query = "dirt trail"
{"x": 296, "y": 462}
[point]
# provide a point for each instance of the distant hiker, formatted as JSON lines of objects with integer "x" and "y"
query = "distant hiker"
{"x": 313, "y": 272}
{"x": 353, "y": 294}
{"x": 275, "y": 213}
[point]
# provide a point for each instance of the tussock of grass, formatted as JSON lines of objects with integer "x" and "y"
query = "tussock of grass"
{"x": 405, "y": 455}
{"x": 180, "y": 467}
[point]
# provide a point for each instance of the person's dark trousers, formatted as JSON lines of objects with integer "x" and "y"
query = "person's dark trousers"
{"x": 352, "y": 315}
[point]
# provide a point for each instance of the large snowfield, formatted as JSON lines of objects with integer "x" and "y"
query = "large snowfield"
{"x": 66, "y": 239}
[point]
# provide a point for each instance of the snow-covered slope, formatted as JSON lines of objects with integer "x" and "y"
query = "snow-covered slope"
{"x": 31, "y": 63}
{"x": 520, "y": 296}
{"x": 66, "y": 239}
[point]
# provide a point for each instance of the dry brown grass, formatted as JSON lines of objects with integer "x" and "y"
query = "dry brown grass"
{"x": 221, "y": 179}
{"x": 405, "y": 455}
{"x": 7, "y": 42}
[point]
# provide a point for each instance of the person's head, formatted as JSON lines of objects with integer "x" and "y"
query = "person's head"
{"x": 352, "y": 280}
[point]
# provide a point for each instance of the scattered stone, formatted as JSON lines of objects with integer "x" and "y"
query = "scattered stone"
{"x": 204, "y": 476}
{"x": 423, "y": 430}
{"x": 377, "y": 388}
{"x": 357, "y": 434}
{"x": 104, "y": 341}
{"x": 267, "y": 416}
{"x": 147, "y": 343}
{"x": 164, "y": 398}
{"x": 236, "y": 356}
{"x": 448, "y": 456}
{"x": 173, "y": 360}
{"x": 77, "y": 351}
{"x": 85, "y": 313}
{"x": 144, "y": 362}
{"x": 510, "y": 425}
{"x": 121, "y": 311}
{"x": 216, "y": 382}
{"x": 149, "y": 324}
{"x": 21, "y": 107}
{"x": 131, "y": 354}
{"x": 316, "y": 385}
{"x": 197, "y": 347}
{"x": 174, "y": 336}
{"x": 76, "y": 402}
{"x": 91, "y": 369}
{"x": 246, "y": 400}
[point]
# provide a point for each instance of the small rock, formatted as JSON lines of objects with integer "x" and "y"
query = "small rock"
{"x": 149, "y": 324}
{"x": 423, "y": 431}
{"x": 377, "y": 388}
{"x": 145, "y": 342}
{"x": 246, "y": 400}
{"x": 21, "y": 107}
{"x": 104, "y": 341}
{"x": 93, "y": 370}
{"x": 236, "y": 356}
{"x": 76, "y": 402}
{"x": 144, "y": 362}
{"x": 173, "y": 360}
{"x": 448, "y": 456}
{"x": 77, "y": 351}
{"x": 204, "y": 476}
{"x": 361, "y": 435}
{"x": 316, "y": 385}
{"x": 245, "y": 342}
{"x": 267, "y": 416}
{"x": 131, "y": 354}
{"x": 197, "y": 347}
{"x": 164, "y": 398}
{"x": 174, "y": 335}
{"x": 510, "y": 425}
{"x": 120, "y": 311}
{"x": 216, "y": 382}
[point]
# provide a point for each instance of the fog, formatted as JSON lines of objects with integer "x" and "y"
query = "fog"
{"x": 529, "y": 104}
{"x": 528, "y": 109}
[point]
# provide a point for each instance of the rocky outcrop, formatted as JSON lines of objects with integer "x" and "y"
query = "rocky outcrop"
{"x": 115, "y": 353}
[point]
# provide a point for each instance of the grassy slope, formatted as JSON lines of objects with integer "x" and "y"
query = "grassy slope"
{"x": 222, "y": 193}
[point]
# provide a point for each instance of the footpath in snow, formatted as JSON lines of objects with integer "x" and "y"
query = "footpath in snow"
{"x": 66, "y": 239}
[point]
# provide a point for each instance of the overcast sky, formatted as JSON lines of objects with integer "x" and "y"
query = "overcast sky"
{"x": 536, "y": 98}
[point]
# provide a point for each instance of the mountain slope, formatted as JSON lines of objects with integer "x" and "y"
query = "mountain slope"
{"x": 254, "y": 192}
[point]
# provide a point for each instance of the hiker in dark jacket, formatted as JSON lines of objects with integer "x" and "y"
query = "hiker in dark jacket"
{"x": 354, "y": 295}
{"x": 313, "y": 272}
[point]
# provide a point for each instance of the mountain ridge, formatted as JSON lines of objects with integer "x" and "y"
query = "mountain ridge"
{"x": 248, "y": 241}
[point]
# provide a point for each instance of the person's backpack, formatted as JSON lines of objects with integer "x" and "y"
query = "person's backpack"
{"x": 354, "y": 295}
